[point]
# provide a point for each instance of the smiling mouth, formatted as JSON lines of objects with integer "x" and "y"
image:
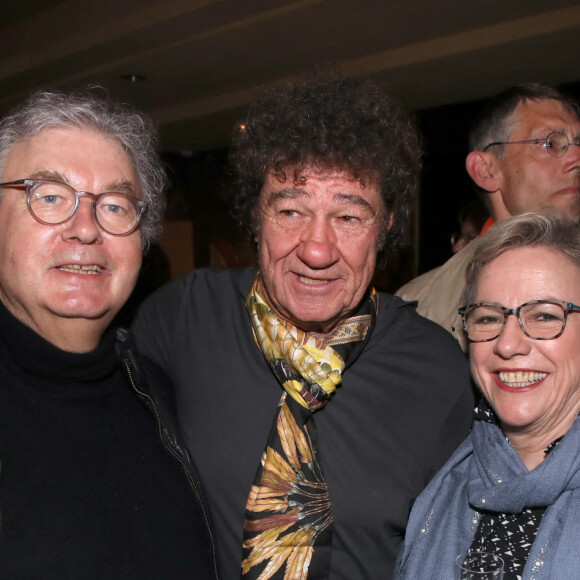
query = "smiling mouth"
{"x": 521, "y": 378}
{"x": 312, "y": 281}
{"x": 78, "y": 269}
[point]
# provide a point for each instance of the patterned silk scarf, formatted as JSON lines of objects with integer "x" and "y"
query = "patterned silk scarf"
{"x": 288, "y": 525}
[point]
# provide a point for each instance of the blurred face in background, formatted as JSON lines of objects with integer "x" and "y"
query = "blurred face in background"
{"x": 532, "y": 180}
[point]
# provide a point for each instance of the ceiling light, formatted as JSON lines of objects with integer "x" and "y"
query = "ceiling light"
{"x": 133, "y": 78}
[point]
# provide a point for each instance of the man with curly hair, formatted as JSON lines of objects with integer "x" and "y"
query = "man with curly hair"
{"x": 316, "y": 407}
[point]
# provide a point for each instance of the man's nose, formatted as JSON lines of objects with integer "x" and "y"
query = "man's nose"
{"x": 83, "y": 226}
{"x": 318, "y": 244}
{"x": 572, "y": 156}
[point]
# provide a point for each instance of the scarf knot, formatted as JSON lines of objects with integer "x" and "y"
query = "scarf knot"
{"x": 288, "y": 525}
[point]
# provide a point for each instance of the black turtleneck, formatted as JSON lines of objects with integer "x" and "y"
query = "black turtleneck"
{"x": 87, "y": 490}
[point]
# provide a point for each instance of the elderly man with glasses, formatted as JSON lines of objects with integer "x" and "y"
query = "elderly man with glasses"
{"x": 95, "y": 482}
{"x": 525, "y": 156}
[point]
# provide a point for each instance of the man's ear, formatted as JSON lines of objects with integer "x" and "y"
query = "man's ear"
{"x": 484, "y": 169}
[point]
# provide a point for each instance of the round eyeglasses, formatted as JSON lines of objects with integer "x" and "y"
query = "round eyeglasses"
{"x": 54, "y": 202}
{"x": 539, "y": 319}
{"x": 556, "y": 143}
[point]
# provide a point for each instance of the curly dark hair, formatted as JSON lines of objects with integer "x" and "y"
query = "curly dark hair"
{"x": 335, "y": 123}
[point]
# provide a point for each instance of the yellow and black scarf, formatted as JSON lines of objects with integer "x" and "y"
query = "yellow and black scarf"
{"x": 288, "y": 525}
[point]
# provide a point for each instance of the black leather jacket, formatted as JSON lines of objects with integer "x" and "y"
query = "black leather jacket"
{"x": 151, "y": 384}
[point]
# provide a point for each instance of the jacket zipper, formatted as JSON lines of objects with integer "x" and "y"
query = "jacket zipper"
{"x": 128, "y": 368}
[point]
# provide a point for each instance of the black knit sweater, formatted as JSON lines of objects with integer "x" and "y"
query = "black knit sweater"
{"x": 87, "y": 489}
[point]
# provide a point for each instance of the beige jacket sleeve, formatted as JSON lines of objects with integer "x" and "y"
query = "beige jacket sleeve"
{"x": 438, "y": 293}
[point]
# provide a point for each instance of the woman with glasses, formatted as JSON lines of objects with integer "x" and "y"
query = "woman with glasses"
{"x": 513, "y": 487}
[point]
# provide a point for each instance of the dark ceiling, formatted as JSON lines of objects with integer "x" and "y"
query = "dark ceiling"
{"x": 204, "y": 60}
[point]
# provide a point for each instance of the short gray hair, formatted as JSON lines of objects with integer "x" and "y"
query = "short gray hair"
{"x": 496, "y": 121}
{"x": 527, "y": 230}
{"x": 94, "y": 110}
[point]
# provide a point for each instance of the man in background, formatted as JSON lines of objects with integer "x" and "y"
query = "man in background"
{"x": 525, "y": 156}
